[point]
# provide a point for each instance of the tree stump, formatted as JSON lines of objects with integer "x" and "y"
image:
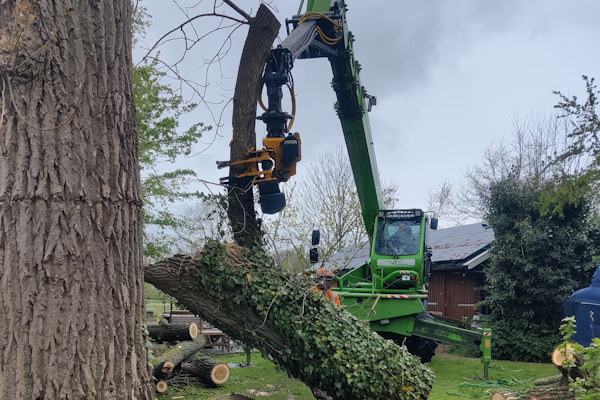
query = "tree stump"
{"x": 210, "y": 371}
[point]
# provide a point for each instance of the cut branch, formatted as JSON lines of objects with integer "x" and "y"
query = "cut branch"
{"x": 173, "y": 332}
{"x": 239, "y": 10}
{"x": 164, "y": 364}
{"x": 314, "y": 340}
{"x": 210, "y": 371}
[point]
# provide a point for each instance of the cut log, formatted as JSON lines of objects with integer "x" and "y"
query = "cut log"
{"x": 167, "y": 367}
{"x": 164, "y": 364}
{"x": 550, "y": 380}
{"x": 173, "y": 332}
{"x": 550, "y": 392}
{"x": 161, "y": 386}
{"x": 562, "y": 354}
{"x": 248, "y": 296}
{"x": 208, "y": 370}
{"x": 504, "y": 395}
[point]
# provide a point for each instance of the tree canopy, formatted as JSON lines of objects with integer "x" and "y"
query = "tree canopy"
{"x": 537, "y": 261}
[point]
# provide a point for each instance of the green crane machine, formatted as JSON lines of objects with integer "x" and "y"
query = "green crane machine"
{"x": 390, "y": 290}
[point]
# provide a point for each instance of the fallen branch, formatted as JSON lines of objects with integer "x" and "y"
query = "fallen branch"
{"x": 210, "y": 371}
{"x": 173, "y": 332}
{"x": 164, "y": 364}
{"x": 312, "y": 339}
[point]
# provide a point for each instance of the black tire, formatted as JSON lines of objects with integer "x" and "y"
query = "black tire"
{"x": 421, "y": 347}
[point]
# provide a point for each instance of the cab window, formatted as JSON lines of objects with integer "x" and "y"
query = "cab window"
{"x": 397, "y": 237}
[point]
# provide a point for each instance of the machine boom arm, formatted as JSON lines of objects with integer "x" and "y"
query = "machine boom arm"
{"x": 322, "y": 32}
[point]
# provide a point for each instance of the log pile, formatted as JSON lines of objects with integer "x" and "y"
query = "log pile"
{"x": 553, "y": 387}
{"x": 183, "y": 359}
{"x": 547, "y": 392}
{"x": 312, "y": 339}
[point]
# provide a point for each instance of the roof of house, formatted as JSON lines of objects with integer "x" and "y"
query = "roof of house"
{"x": 460, "y": 243}
{"x": 460, "y": 246}
{"x": 349, "y": 258}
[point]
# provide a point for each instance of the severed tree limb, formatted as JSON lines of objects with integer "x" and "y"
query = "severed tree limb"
{"x": 173, "y": 332}
{"x": 161, "y": 386}
{"x": 164, "y": 364}
{"x": 210, "y": 371}
{"x": 264, "y": 28}
{"x": 312, "y": 339}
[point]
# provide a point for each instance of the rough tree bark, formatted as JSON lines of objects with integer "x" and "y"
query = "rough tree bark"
{"x": 71, "y": 297}
{"x": 313, "y": 339}
{"x": 263, "y": 31}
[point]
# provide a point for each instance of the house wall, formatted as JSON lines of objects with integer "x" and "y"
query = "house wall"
{"x": 454, "y": 294}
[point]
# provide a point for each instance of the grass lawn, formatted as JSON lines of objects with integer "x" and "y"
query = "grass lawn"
{"x": 457, "y": 378}
{"x": 264, "y": 381}
{"x": 460, "y": 378}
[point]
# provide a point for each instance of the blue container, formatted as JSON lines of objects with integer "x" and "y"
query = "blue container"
{"x": 584, "y": 304}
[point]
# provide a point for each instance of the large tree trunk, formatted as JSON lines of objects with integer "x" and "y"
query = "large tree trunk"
{"x": 263, "y": 31}
{"x": 70, "y": 205}
{"x": 311, "y": 338}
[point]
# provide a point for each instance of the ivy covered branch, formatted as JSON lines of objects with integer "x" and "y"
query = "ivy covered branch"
{"x": 312, "y": 339}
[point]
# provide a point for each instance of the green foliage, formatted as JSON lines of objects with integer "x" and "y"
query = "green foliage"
{"x": 571, "y": 191}
{"x": 532, "y": 253}
{"x": 585, "y": 122}
{"x": 584, "y": 149}
{"x": 152, "y": 293}
{"x": 140, "y": 20}
{"x": 588, "y": 386}
{"x": 159, "y": 109}
{"x": 321, "y": 344}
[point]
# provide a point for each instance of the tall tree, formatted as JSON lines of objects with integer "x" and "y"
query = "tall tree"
{"x": 161, "y": 141}
{"x": 537, "y": 261}
{"x": 534, "y": 143}
{"x": 584, "y": 148}
{"x": 71, "y": 305}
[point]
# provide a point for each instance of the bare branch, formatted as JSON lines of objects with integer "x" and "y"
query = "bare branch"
{"x": 238, "y": 10}
{"x": 183, "y": 24}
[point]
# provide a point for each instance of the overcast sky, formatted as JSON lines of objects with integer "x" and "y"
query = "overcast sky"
{"x": 450, "y": 76}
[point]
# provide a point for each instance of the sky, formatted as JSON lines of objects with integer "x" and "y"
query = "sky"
{"x": 450, "y": 77}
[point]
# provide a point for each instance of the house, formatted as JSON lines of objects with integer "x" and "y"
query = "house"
{"x": 459, "y": 255}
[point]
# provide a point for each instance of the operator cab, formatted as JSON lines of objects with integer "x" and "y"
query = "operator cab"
{"x": 398, "y": 237}
{"x": 399, "y": 232}
{"x": 397, "y": 252}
